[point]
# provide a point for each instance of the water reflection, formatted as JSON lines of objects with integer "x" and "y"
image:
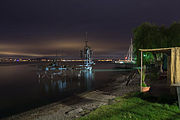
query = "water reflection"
{"x": 65, "y": 81}
{"x": 29, "y": 86}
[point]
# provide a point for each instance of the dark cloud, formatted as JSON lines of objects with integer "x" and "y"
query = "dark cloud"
{"x": 41, "y": 26}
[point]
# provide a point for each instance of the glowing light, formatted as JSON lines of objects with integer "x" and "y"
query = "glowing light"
{"x": 106, "y": 60}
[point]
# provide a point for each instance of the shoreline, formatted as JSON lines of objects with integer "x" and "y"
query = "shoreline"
{"x": 82, "y": 104}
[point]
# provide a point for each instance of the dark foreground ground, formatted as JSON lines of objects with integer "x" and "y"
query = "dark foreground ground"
{"x": 82, "y": 104}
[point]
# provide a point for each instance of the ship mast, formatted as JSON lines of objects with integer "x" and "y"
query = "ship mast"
{"x": 130, "y": 52}
{"x": 87, "y": 52}
{"x": 86, "y": 39}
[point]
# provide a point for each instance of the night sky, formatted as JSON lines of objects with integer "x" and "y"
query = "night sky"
{"x": 40, "y": 27}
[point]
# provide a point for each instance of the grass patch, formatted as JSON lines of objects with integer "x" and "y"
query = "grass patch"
{"x": 137, "y": 107}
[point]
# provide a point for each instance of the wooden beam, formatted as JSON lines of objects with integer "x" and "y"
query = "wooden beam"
{"x": 158, "y": 49}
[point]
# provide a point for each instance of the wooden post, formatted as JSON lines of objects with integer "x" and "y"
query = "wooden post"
{"x": 178, "y": 94}
{"x": 141, "y": 71}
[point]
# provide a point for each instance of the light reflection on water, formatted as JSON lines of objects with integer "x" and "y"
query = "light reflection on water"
{"x": 24, "y": 87}
{"x": 65, "y": 80}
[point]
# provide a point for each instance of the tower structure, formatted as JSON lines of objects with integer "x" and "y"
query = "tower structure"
{"x": 130, "y": 52}
{"x": 86, "y": 53}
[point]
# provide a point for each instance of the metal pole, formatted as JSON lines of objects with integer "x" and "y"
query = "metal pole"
{"x": 141, "y": 70}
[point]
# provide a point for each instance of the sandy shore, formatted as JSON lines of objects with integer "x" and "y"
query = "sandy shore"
{"x": 82, "y": 104}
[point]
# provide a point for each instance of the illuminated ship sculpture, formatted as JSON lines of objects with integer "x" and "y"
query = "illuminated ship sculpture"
{"x": 129, "y": 60}
{"x": 86, "y": 55}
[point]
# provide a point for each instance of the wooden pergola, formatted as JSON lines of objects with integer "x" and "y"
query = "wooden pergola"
{"x": 173, "y": 66}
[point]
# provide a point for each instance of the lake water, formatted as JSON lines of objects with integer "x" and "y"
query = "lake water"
{"x": 24, "y": 87}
